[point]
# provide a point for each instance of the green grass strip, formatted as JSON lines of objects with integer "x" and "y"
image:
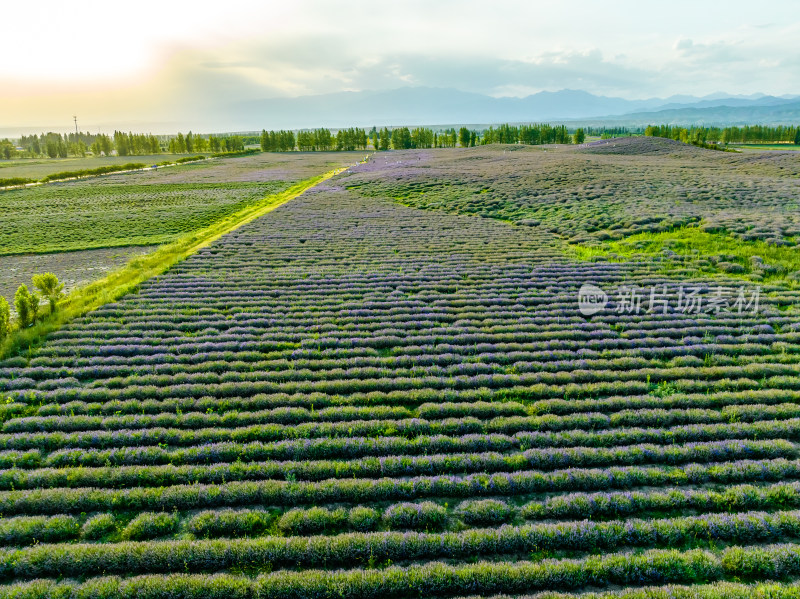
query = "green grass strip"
{"x": 706, "y": 245}
{"x": 128, "y": 278}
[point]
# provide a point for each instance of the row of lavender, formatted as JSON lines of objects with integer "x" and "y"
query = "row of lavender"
{"x": 426, "y": 515}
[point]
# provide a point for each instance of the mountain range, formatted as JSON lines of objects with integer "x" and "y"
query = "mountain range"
{"x": 439, "y": 106}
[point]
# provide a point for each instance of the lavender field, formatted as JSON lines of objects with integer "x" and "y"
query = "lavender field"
{"x": 391, "y": 386}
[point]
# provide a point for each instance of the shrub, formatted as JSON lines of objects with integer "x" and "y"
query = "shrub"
{"x": 485, "y": 511}
{"x": 363, "y": 518}
{"x": 89, "y": 172}
{"x": 98, "y": 526}
{"x": 38, "y": 529}
{"x": 50, "y": 288}
{"x": 22, "y": 302}
{"x": 228, "y": 523}
{"x": 186, "y": 159}
{"x": 417, "y": 516}
{"x": 5, "y": 318}
{"x": 13, "y": 181}
{"x": 150, "y": 525}
{"x": 731, "y": 267}
{"x": 314, "y": 520}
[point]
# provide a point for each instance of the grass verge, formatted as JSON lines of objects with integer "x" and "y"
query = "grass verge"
{"x": 708, "y": 252}
{"x": 128, "y": 278}
{"x": 102, "y": 170}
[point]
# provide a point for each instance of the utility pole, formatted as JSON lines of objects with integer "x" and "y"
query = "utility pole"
{"x": 75, "y": 118}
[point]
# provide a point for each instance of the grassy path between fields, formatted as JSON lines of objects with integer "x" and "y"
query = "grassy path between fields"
{"x": 127, "y": 279}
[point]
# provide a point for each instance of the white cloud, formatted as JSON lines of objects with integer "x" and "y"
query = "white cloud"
{"x": 180, "y": 57}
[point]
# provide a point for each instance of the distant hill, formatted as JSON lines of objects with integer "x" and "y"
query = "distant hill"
{"x": 422, "y": 105}
{"x": 426, "y": 105}
{"x": 451, "y": 107}
{"x": 783, "y": 113}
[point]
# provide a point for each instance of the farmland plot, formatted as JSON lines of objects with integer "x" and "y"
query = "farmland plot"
{"x": 352, "y": 397}
{"x": 148, "y": 207}
{"x": 80, "y": 230}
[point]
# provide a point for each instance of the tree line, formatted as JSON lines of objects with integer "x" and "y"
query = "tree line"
{"x": 405, "y": 138}
{"x": 56, "y": 145}
{"x": 754, "y": 134}
{"x": 191, "y": 143}
{"x": 531, "y": 135}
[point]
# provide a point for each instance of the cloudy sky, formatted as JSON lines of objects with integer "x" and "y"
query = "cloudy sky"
{"x": 170, "y": 61}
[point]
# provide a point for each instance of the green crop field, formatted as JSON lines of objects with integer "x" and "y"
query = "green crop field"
{"x": 79, "y": 230}
{"x": 146, "y": 208}
{"x": 39, "y": 168}
{"x": 83, "y": 215}
{"x": 783, "y": 147}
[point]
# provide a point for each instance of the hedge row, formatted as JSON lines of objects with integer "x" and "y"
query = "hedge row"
{"x": 380, "y": 467}
{"x": 347, "y": 550}
{"x": 438, "y": 579}
{"x": 490, "y": 414}
{"x": 358, "y": 447}
{"x": 279, "y": 493}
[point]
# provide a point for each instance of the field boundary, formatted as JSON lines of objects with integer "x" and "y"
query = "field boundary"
{"x": 128, "y": 278}
{"x": 121, "y": 171}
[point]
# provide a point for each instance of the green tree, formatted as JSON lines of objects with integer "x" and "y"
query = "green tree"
{"x": 22, "y": 302}
{"x": 155, "y": 146}
{"x": 35, "y": 300}
{"x": 421, "y": 138}
{"x": 385, "y": 139}
{"x": 562, "y": 135}
{"x": 7, "y": 149}
{"x": 105, "y": 144}
{"x": 122, "y": 143}
{"x": 797, "y": 137}
{"x": 464, "y": 137}
{"x": 50, "y": 288}
{"x": 266, "y": 142}
{"x": 180, "y": 143}
{"x": 305, "y": 141}
{"x": 5, "y": 318}
{"x": 323, "y": 140}
{"x": 580, "y": 136}
{"x": 401, "y": 138}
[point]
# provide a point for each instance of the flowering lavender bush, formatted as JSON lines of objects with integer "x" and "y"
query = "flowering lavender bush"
{"x": 363, "y": 518}
{"x": 150, "y": 525}
{"x": 419, "y": 516}
{"x": 485, "y": 512}
{"x": 313, "y": 520}
{"x": 96, "y": 527}
{"x": 228, "y": 523}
